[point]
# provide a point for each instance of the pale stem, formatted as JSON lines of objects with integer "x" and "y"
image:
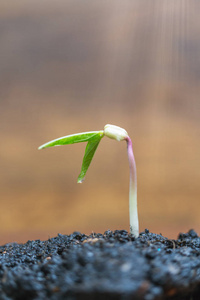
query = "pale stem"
{"x": 133, "y": 212}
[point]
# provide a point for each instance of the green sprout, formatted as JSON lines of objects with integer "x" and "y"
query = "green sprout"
{"x": 93, "y": 139}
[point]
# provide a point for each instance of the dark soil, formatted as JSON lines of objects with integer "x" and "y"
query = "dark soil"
{"x": 113, "y": 265}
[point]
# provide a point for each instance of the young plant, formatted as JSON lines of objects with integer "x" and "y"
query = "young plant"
{"x": 93, "y": 139}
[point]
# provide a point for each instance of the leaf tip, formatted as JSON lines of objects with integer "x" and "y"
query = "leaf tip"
{"x": 80, "y": 180}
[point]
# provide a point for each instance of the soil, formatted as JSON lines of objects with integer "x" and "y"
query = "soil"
{"x": 113, "y": 265}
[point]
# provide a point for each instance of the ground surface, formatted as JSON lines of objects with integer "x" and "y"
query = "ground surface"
{"x": 113, "y": 265}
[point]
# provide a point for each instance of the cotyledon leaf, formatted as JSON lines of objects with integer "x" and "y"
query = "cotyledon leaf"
{"x": 73, "y": 138}
{"x": 92, "y": 137}
{"x": 89, "y": 153}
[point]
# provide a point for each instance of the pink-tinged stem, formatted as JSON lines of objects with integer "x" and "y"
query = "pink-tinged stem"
{"x": 133, "y": 213}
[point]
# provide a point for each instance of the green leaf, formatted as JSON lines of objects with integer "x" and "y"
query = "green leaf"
{"x": 92, "y": 137}
{"x": 74, "y": 138}
{"x": 89, "y": 153}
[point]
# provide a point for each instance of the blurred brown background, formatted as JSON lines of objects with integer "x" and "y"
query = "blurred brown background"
{"x": 71, "y": 66}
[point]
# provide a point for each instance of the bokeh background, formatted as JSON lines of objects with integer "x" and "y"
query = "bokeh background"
{"x": 72, "y": 66}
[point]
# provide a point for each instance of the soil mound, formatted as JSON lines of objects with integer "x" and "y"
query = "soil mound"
{"x": 113, "y": 265}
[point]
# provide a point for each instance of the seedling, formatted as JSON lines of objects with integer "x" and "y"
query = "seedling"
{"x": 93, "y": 139}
